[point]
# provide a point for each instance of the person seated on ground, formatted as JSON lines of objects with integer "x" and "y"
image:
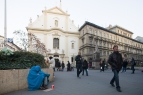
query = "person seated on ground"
{"x": 36, "y": 78}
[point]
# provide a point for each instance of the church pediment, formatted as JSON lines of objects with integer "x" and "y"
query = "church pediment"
{"x": 56, "y": 10}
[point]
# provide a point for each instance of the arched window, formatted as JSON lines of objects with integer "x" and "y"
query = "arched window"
{"x": 56, "y": 43}
{"x": 56, "y": 23}
{"x": 72, "y": 45}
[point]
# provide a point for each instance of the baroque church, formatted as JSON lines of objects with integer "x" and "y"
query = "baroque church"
{"x": 58, "y": 32}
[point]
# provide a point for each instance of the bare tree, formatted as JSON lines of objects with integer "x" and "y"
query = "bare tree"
{"x": 21, "y": 39}
{"x": 29, "y": 42}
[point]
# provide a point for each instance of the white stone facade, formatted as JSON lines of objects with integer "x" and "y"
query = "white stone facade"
{"x": 55, "y": 23}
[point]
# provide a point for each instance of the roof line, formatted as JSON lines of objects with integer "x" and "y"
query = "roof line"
{"x": 94, "y": 25}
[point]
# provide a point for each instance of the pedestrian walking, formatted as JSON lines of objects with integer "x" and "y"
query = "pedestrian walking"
{"x": 100, "y": 64}
{"x": 115, "y": 60}
{"x": 132, "y": 65}
{"x": 78, "y": 60}
{"x": 58, "y": 65}
{"x": 63, "y": 65}
{"x": 125, "y": 63}
{"x": 85, "y": 67}
{"x": 103, "y": 65}
{"x": 68, "y": 66}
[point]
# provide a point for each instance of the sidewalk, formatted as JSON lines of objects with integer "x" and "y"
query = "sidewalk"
{"x": 97, "y": 83}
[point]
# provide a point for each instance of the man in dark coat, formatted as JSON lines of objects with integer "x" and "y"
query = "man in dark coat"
{"x": 78, "y": 60}
{"x": 115, "y": 60}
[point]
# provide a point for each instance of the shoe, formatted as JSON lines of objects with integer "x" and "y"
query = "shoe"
{"x": 83, "y": 74}
{"x": 118, "y": 89}
{"x": 132, "y": 73}
{"x": 78, "y": 77}
{"x": 42, "y": 88}
{"x": 112, "y": 84}
{"x": 45, "y": 87}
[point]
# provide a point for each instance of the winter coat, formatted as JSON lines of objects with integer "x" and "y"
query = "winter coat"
{"x": 125, "y": 63}
{"x": 85, "y": 65}
{"x": 63, "y": 65}
{"x": 132, "y": 62}
{"x": 103, "y": 64}
{"x": 115, "y": 60}
{"x": 78, "y": 59}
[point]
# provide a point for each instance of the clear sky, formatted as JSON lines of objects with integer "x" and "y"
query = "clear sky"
{"x": 125, "y": 13}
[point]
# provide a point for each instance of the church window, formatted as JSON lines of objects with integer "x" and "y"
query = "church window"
{"x": 72, "y": 45}
{"x": 56, "y": 43}
{"x": 56, "y": 23}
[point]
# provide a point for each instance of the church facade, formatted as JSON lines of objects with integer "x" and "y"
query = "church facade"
{"x": 59, "y": 34}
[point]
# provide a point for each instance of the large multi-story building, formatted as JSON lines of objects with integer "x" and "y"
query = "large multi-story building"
{"x": 105, "y": 38}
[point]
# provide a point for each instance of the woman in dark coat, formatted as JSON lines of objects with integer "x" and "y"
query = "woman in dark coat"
{"x": 68, "y": 66}
{"x": 85, "y": 67}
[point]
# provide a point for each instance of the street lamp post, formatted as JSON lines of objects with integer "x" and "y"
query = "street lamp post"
{"x": 5, "y": 27}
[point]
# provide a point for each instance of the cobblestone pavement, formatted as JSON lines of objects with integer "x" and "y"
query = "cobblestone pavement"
{"x": 97, "y": 83}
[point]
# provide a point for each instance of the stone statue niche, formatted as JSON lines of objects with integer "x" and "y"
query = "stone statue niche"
{"x": 96, "y": 58}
